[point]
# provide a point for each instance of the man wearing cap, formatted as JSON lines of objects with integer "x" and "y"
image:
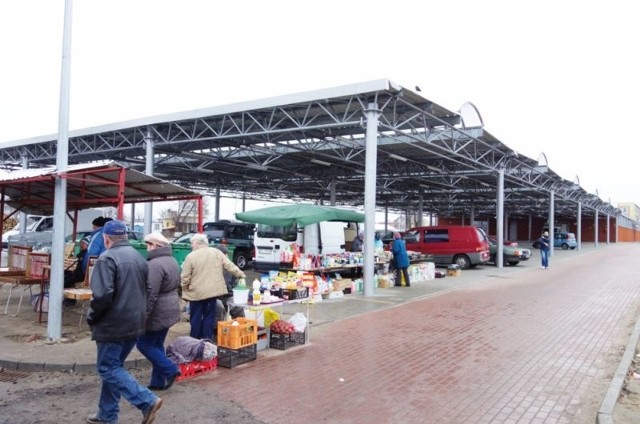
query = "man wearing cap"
{"x": 117, "y": 316}
{"x": 163, "y": 310}
{"x": 96, "y": 242}
{"x": 77, "y": 275}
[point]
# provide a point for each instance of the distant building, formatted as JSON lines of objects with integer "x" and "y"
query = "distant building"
{"x": 630, "y": 210}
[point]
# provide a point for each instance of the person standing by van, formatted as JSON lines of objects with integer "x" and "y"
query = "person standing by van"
{"x": 400, "y": 260}
{"x": 358, "y": 242}
{"x": 545, "y": 247}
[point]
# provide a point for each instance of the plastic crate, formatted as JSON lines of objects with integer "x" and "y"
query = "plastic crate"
{"x": 245, "y": 333}
{"x": 285, "y": 341}
{"x": 229, "y": 358}
{"x": 263, "y": 338}
{"x": 196, "y": 368}
{"x": 292, "y": 294}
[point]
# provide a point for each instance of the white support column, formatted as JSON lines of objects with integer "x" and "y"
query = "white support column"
{"x": 56, "y": 281}
{"x": 595, "y": 229}
{"x": 148, "y": 207}
{"x": 218, "y": 198}
{"x": 472, "y": 214}
{"x": 579, "y": 227}
{"x": 552, "y": 201}
{"x": 500, "y": 219}
{"x": 372, "y": 114}
{"x": 332, "y": 192}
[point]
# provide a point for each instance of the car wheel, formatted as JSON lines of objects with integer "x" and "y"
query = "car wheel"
{"x": 513, "y": 263}
{"x": 241, "y": 260}
{"x": 462, "y": 261}
{"x": 565, "y": 246}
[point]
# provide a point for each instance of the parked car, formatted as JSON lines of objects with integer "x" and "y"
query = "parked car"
{"x": 236, "y": 234}
{"x": 464, "y": 245}
{"x": 565, "y": 240}
{"x": 132, "y": 235}
{"x": 512, "y": 253}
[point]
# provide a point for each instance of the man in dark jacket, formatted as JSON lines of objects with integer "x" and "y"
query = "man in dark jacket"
{"x": 117, "y": 317}
{"x": 163, "y": 310}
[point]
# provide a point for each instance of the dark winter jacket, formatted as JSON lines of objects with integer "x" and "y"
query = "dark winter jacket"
{"x": 545, "y": 244}
{"x": 119, "y": 285}
{"x": 163, "y": 303}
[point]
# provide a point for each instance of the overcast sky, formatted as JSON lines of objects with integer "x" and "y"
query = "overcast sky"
{"x": 559, "y": 77}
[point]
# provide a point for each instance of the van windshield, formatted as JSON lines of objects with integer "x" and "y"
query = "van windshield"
{"x": 289, "y": 233}
{"x": 32, "y": 222}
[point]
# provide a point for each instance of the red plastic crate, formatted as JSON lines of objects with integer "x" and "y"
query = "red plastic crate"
{"x": 196, "y": 368}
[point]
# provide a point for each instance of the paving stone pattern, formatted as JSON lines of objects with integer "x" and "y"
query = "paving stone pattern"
{"x": 537, "y": 346}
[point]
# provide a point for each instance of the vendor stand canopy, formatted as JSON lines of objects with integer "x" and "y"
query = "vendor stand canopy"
{"x": 300, "y": 214}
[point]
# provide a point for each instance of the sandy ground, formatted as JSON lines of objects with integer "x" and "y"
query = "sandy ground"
{"x": 48, "y": 398}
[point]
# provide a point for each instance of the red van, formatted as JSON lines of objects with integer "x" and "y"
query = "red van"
{"x": 464, "y": 245}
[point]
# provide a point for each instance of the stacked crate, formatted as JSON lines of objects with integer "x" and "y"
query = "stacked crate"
{"x": 237, "y": 342}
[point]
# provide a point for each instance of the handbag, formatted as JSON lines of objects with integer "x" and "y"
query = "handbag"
{"x": 536, "y": 244}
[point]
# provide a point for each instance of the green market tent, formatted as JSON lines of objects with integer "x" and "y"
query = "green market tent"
{"x": 300, "y": 214}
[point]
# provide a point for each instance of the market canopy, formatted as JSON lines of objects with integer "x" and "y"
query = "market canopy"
{"x": 300, "y": 214}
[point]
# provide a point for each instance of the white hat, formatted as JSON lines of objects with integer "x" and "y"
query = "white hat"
{"x": 157, "y": 239}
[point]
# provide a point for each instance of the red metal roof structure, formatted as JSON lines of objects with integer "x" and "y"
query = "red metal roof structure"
{"x": 93, "y": 185}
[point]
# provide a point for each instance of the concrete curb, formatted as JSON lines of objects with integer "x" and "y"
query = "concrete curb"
{"x": 605, "y": 413}
{"x": 76, "y": 367}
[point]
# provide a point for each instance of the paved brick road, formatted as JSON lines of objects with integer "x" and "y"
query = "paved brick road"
{"x": 534, "y": 346}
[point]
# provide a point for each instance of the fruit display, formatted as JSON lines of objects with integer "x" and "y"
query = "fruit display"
{"x": 282, "y": 327}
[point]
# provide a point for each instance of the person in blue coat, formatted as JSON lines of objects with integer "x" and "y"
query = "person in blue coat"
{"x": 400, "y": 260}
{"x": 96, "y": 241}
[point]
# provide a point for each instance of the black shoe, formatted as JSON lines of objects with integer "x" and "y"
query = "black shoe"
{"x": 152, "y": 387}
{"x": 171, "y": 380}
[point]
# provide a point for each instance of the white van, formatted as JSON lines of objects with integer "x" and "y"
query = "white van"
{"x": 271, "y": 241}
{"x": 42, "y": 224}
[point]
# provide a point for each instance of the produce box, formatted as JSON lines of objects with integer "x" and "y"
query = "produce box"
{"x": 285, "y": 341}
{"x": 230, "y": 358}
{"x": 242, "y": 334}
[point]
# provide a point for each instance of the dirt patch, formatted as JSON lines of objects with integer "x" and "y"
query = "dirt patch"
{"x": 627, "y": 410}
{"x": 33, "y": 338}
{"x": 66, "y": 397}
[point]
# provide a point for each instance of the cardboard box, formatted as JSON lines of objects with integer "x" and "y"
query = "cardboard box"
{"x": 454, "y": 272}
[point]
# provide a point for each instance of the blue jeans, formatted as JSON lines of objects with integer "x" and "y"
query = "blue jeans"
{"x": 203, "y": 318}
{"x": 544, "y": 254}
{"x": 117, "y": 382}
{"x": 151, "y": 345}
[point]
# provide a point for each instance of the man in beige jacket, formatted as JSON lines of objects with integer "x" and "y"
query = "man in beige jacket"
{"x": 202, "y": 281}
